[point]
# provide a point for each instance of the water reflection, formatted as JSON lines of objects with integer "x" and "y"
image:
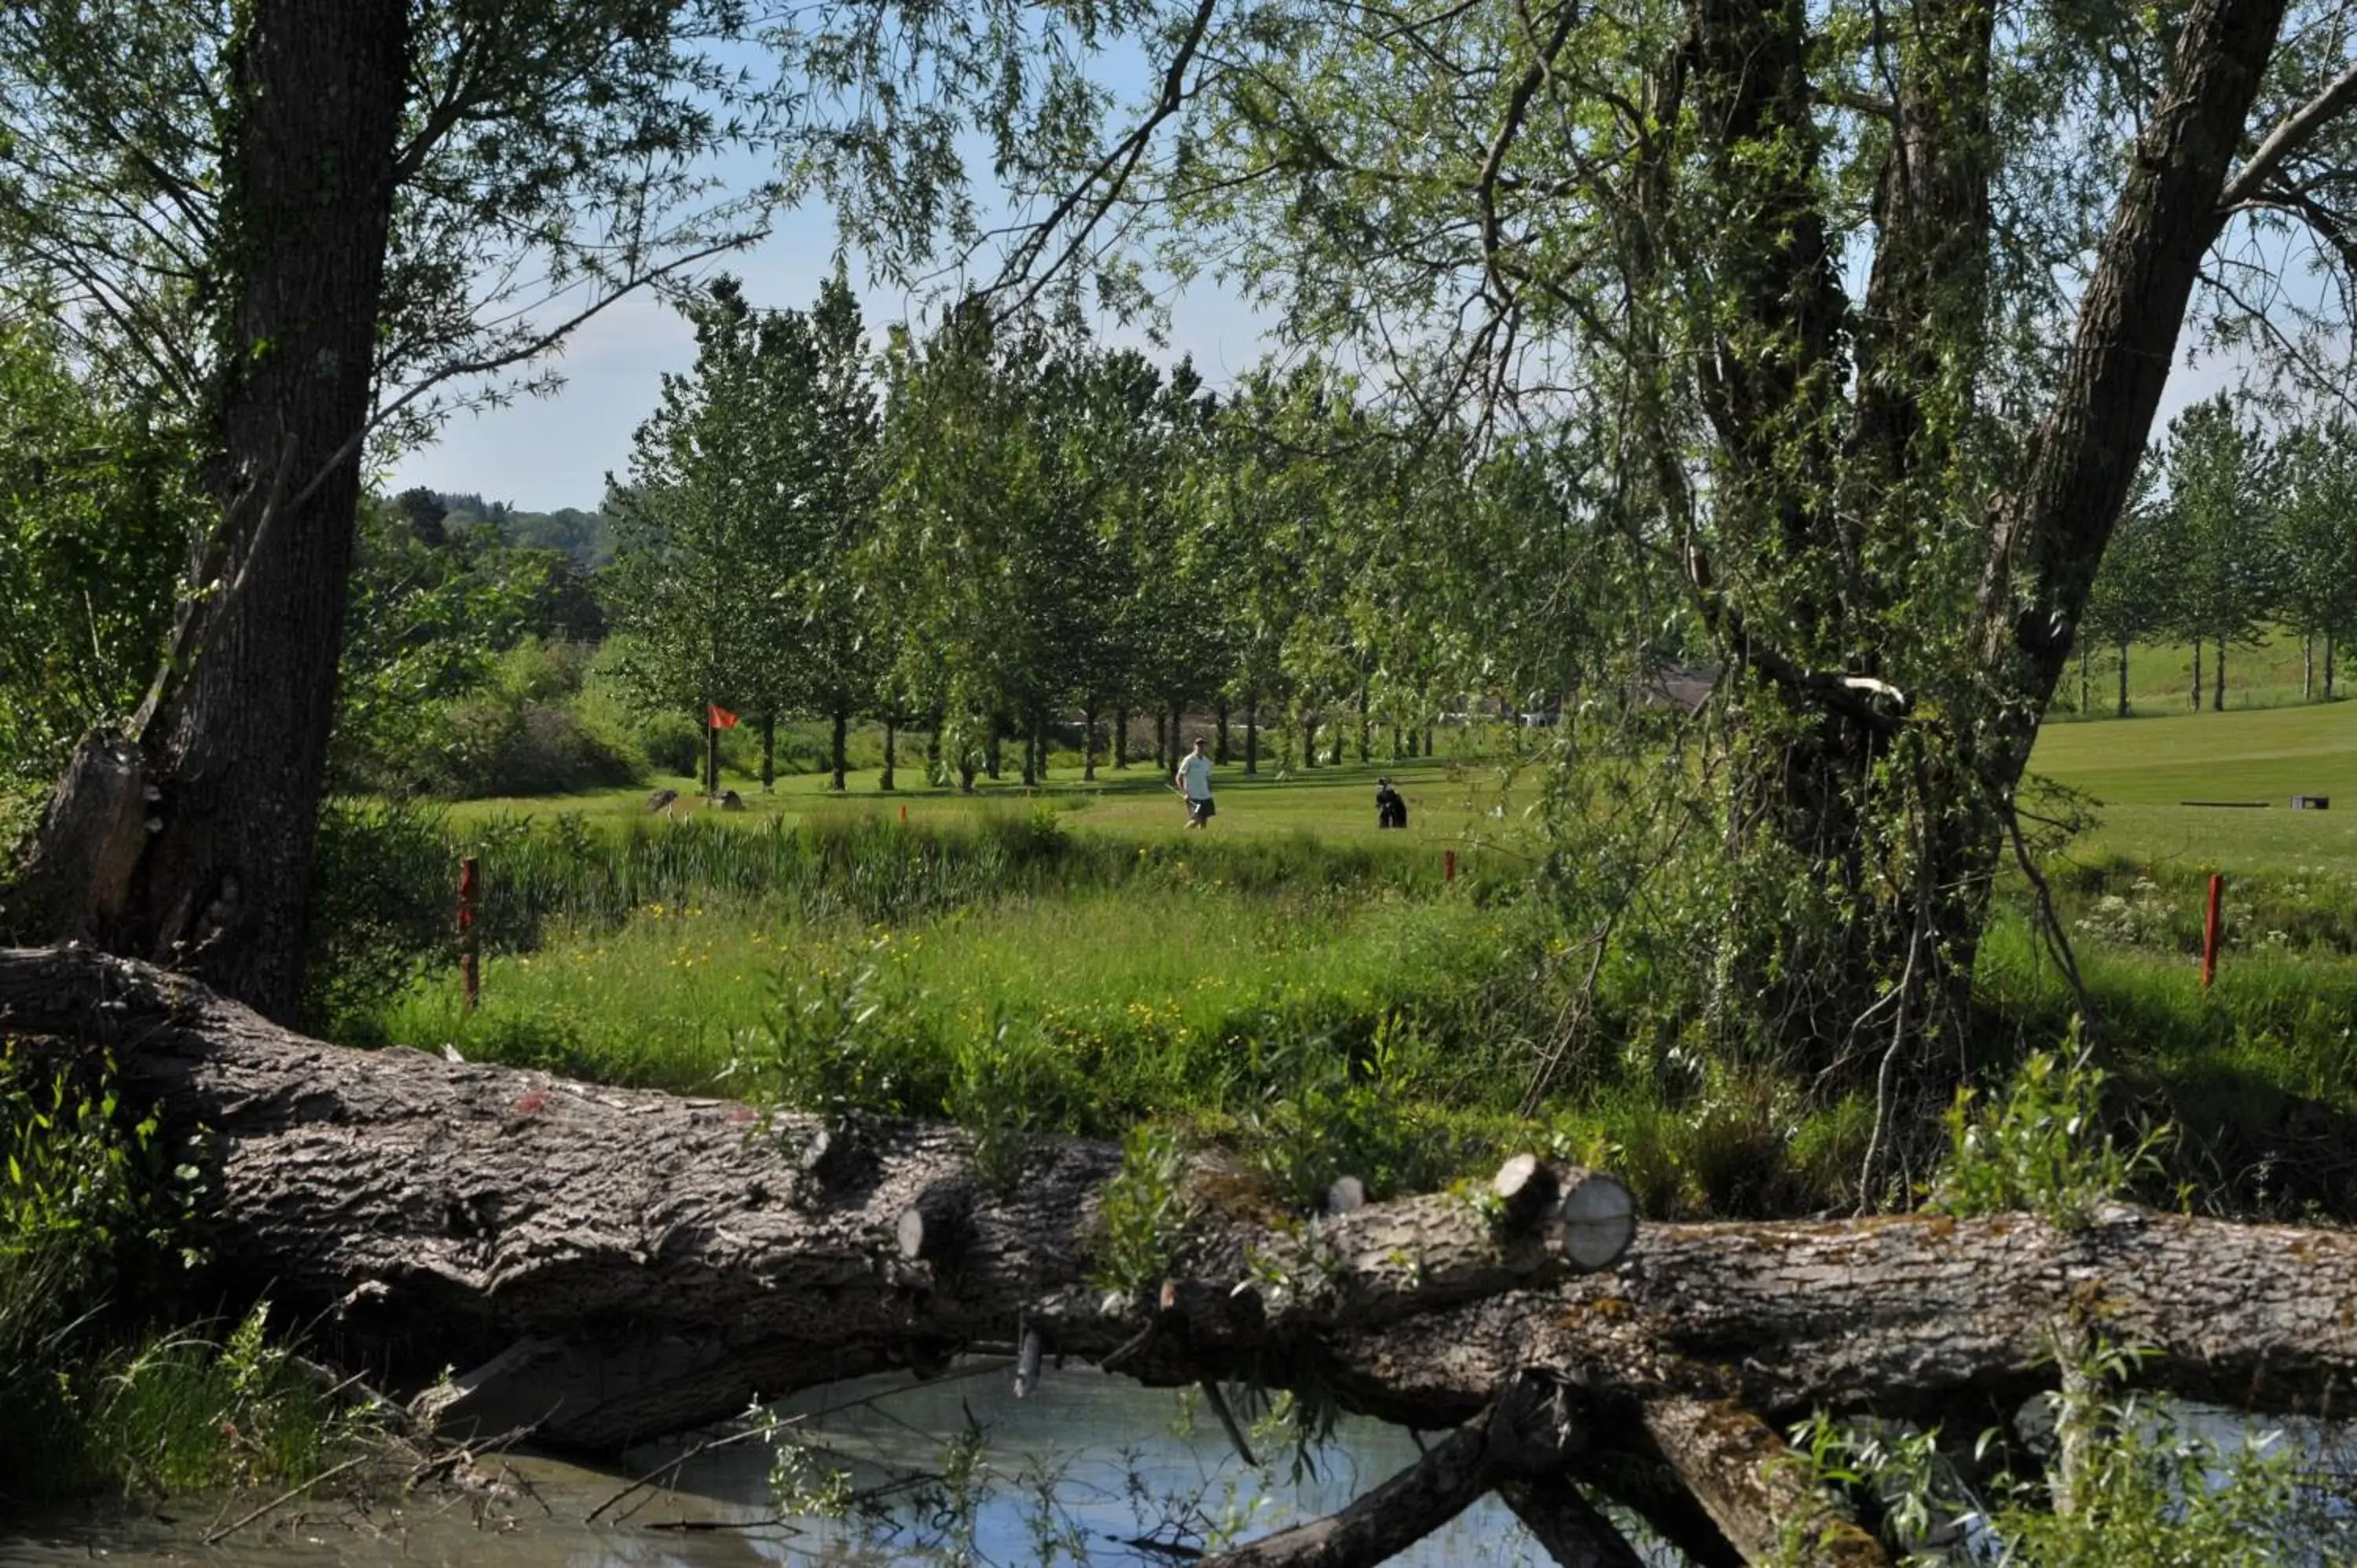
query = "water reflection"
{"x": 1082, "y": 1468}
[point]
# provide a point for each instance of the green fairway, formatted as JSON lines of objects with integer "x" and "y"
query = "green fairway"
{"x": 1447, "y": 801}
{"x": 2141, "y": 772}
{"x": 2268, "y": 674}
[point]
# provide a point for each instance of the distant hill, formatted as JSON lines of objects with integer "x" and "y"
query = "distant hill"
{"x": 587, "y": 536}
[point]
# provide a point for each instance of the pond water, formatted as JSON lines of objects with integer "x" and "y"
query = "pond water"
{"x": 1086, "y": 1465}
{"x": 1081, "y": 1471}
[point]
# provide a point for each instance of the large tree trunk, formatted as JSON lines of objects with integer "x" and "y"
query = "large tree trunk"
{"x": 838, "y": 748}
{"x": 608, "y": 1265}
{"x": 2218, "y": 682}
{"x": 189, "y": 839}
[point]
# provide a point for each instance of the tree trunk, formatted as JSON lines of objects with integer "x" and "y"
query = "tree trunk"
{"x": 2123, "y": 681}
{"x": 891, "y": 754}
{"x": 1119, "y": 736}
{"x": 2218, "y": 685}
{"x": 1088, "y": 744}
{"x": 769, "y": 752}
{"x": 1366, "y": 731}
{"x": 2086, "y": 685}
{"x": 2308, "y": 667}
{"x": 838, "y": 750}
{"x": 1252, "y": 734}
{"x": 2329, "y": 650}
{"x": 1162, "y": 763}
{"x": 608, "y": 1265}
{"x": 189, "y": 839}
{"x": 1309, "y": 741}
{"x": 1430, "y": 745}
{"x": 993, "y": 752}
{"x": 1035, "y": 752}
{"x": 2196, "y": 697}
{"x": 1219, "y": 743}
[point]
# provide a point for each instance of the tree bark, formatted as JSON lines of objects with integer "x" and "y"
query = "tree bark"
{"x": 1120, "y": 738}
{"x": 2308, "y": 667}
{"x": 2123, "y": 681}
{"x": 201, "y": 853}
{"x": 769, "y": 752}
{"x": 1568, "y": 1524}
{"x": 1252, "y": 734}
{"x": 1089, "y": 744}
{"x": 2218, "y": 685}
{"x": 2195, "y": 698}
{"x": 610, "y": 1265}
{"x": 891, "y": 755}
{"x": 838, "y": 750}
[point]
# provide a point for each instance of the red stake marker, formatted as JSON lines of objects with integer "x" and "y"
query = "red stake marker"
{"x": 2209, "y": 933}
{"x": 469, "y": 976}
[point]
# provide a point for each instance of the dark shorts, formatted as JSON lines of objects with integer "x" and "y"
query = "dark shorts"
{"x": 1201, "y": 811}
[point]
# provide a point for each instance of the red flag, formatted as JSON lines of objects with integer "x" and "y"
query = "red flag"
{"x": 722, "y": 718}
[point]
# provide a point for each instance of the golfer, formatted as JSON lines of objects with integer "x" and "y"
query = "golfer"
{"x": 1193, "y": 780}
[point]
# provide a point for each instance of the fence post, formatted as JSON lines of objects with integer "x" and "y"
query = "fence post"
{"x": 2209, "y": 933}
{"x": 1448, "y": 865}
{"x": 469, "y": 971}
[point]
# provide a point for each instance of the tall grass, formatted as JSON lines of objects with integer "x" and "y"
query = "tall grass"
{"x": 864, "y": 868}
{"x": 101, "y": 1392}
{"x": 1324, "y": 1007}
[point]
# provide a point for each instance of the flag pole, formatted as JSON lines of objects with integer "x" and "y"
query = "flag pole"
{"x": 711, "y": 752}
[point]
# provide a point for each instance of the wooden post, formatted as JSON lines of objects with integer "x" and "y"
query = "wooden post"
{"x": 2209, "y": 933}
{"x": 470, "y": 978}
{"x": 1448, "y": 865}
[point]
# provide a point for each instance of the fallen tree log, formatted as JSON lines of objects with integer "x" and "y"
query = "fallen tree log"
{"x": 610, "y": 1265}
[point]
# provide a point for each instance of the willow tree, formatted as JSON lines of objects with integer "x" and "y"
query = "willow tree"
{"x": 1876, "y": 303}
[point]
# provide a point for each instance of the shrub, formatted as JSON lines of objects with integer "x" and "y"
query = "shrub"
{"x": 383, "y": 885}
{"x": 672, "y": 744}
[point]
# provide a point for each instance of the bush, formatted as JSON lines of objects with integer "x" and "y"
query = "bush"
{"x": 672, "y": 744}
{"x": 383, "y": 885}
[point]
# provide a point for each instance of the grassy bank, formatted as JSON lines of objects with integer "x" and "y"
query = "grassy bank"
{"x": 1317, "y": 995}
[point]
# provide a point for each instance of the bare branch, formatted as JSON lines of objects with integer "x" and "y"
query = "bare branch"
{"x": 2287, "y": 138}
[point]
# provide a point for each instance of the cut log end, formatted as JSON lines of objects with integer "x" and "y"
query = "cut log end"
{"x": 937, "y": 1228}
{"x": 1598, "y": 1219}
{"x": 1524, "y": 1187}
